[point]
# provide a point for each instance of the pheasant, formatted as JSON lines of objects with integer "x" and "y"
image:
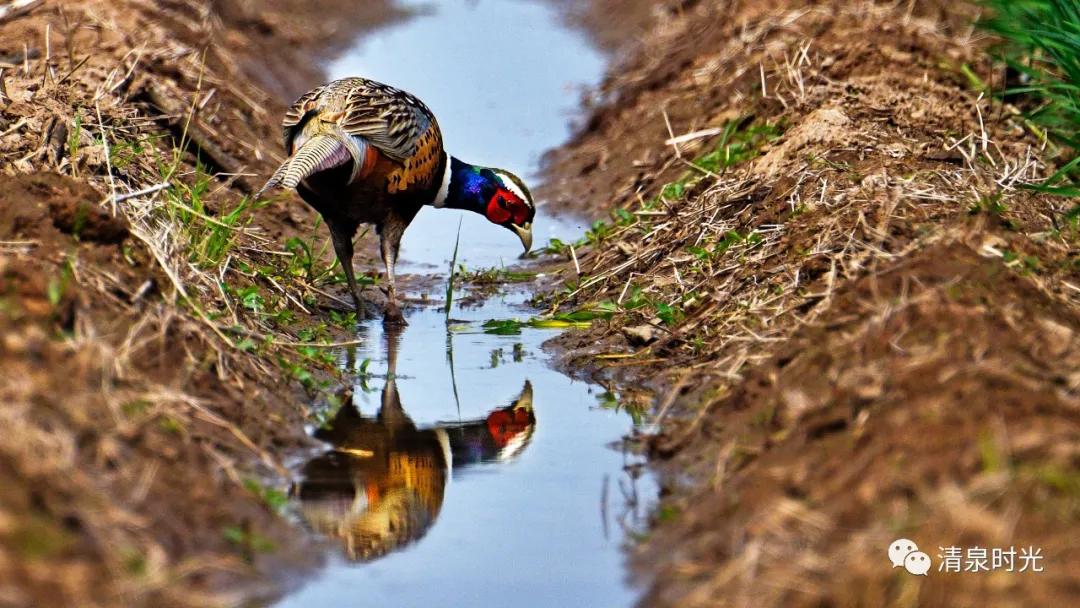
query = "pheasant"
{"x": 362, "y": 152}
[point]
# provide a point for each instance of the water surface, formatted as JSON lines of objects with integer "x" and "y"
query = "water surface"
{"x": 511, "y": 493}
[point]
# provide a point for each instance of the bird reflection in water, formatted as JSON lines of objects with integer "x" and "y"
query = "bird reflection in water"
{"x": 381, "y": 487}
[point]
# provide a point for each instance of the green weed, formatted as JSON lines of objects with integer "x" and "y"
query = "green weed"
{"x": 512, "y": 327}
{"x": 738, "y": 145}
{"x": 250, "y": 542}
{"x": 1040, "y": 41}
{"x": 58, "y": 285}
{"x": 557, "y": 247}
{"x": 453, "y": 274}
{"x": 496, "y": 276}
{"x": 271, "y": 497}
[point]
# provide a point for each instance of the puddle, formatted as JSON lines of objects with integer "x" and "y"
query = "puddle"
{"x": 504, "y": 78}
{"x": 466, "y": 471}
{"x": 472, "y": 475}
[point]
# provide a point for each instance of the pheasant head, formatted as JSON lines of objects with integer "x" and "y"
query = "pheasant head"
{"x": 497, "y": 194}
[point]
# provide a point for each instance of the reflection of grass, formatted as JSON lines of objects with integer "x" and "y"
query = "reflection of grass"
{"x": 610, "y": 401}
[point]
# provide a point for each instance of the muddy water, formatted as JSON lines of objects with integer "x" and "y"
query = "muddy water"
{"x": 466, "y": 471}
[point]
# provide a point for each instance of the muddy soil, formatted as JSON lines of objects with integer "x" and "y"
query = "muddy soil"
{"x": 119, "y": 463}
{"x": 861, "y": 325}
{"x": 147, "y": 407}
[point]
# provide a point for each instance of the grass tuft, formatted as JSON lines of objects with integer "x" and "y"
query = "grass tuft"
{"x": 1040, "y": 42}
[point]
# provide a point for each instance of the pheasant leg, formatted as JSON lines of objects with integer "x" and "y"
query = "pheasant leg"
{"x": 343, "y": 246}
{"x": 389, "y": 245}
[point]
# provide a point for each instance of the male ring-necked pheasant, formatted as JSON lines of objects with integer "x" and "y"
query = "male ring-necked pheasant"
{"x": 362, "y": 152}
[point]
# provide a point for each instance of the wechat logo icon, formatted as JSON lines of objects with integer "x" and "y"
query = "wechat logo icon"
{"x": 905, "y": 554}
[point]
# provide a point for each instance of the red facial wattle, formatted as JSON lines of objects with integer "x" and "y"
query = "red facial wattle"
{"x": 495, "y": 211}
{"x": 505, "y": 206}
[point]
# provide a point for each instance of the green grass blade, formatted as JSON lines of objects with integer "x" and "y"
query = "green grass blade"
{"x": 453, "y": 273}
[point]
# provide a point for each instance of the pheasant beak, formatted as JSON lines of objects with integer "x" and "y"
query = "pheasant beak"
{"x": 524, "y": 232}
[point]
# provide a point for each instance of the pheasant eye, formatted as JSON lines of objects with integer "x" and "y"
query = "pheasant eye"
{"x": 497, "y": 211}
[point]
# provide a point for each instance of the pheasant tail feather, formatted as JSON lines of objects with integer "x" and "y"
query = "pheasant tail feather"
{"x": 320, "y": 153}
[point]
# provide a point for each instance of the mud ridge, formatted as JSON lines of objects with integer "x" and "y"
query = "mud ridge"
{"x": 861, "y": 324}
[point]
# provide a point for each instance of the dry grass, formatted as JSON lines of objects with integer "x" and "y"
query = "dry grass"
{"x": 846, "y": 317}
{"x": 147, "y": 380}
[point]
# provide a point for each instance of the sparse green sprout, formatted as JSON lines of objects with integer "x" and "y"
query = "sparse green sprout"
{"x": 668, "y": 314}
{"x": 624, "y": 217}
{"x": 345, "y": 320}
{"x": 170, "y": 425}
{"x": 134, "y": 561}
{"x": 739, "y": 145}
{"x": 250, "y": 542}
{"x": 74, "y": 137}
{"x": 610, "y": 401}
{"x": 136, "y": 407}
{"x": 58, "y": 285}
{"x": 675, "y": 190}
{"x": 557, "y": 247}
{"x": 989, "y": 204}
{"x": 272, "y": 497}
{"x": 600, "y": 230}
{"x": 123, "y": 153}
{"x": 251, "y": 298}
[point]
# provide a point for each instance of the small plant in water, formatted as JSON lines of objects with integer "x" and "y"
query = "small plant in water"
{"x": 453, "y": 271}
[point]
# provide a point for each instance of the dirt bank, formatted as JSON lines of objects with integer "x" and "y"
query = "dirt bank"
{"x": 161, "y": 333}
{"x": 863, "y": 327}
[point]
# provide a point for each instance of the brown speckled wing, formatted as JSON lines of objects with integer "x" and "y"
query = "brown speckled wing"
{"x": 392, "y": 120}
